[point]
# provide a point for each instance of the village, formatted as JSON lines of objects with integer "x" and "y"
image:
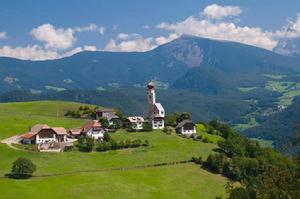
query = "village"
{"x": 57, "y": 139}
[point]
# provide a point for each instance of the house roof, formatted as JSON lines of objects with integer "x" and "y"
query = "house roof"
{"x": 90, "y": 124}
{"x": 28, "y": 135}
{"x": 75, "y": 131}
{"x": 184, "y": 122}
{"x": 159, "y": 106}
{"x": 60, "y": 130}
{"x": 133, "y": 119}
{"x": 38, "y": 127}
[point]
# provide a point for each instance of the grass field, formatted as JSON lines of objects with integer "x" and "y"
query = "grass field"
{"x": 82, "y": 174}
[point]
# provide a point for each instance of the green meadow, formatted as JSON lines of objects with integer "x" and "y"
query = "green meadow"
{"x": 90, "y": 175}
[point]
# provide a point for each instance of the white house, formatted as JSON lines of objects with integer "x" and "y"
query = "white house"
{"x": 186, "y": 127}
{"x": 156, "y": 112}
{"x": 136, "y": 122}
{"x": 109, "y": 114}
{"x": 42, "y": 133}
{"x": 93, "y": 129}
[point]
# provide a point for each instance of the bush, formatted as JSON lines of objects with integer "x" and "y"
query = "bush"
{"x": 215, "y": 162}
{"x": 205, "y": 140}
{"x": 167, "y": 130}
{"x": 197, "y": 160}
{"x": 104, "y": 122}
{"x": 136, "y": 143}
{"x": 107, "y": 137}
{"x": 101, "y": 147}
{"x": 22, "y": 168}
{"x": 239, "y": 193}
{"x": 146, "y": 143}
{"x": 147, "y": 126}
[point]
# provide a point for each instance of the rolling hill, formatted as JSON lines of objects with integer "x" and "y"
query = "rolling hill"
{"x": 93, "y": 174}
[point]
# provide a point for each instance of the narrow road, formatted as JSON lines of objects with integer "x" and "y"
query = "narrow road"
{"x": 12, "y": 140}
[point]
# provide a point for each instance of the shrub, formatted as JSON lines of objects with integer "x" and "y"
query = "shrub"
{"x": 127, "y": 143}
{"x": 104, "y": 122}
{"x": 22, "y": 168}
{"x": 107, "y": 137}
{"x": 90, "y": 143}
{"x": 215, "y": 162}
{"x": 114, "y": 144}
{"x": 146, "y": 143}
{"x": 239, "y": 193}
{"x": 197, "y": 160}
{"x": 136, "y": 143}
{"x": 101, "y": 147}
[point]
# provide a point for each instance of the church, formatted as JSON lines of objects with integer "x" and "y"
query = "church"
{"x": 156, "y": 112}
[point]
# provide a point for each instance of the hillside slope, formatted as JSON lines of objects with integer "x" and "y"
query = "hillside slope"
{"x": 280, "y": 127}
{"x": 93, "y": 174}
{"x": 233, "y": 64}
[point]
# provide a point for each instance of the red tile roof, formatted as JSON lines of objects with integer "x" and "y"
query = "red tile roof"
{"x": 38, "y": 127}
{"x": 89, "y": 125}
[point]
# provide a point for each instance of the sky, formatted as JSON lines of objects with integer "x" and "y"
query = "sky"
{"x": 52, "y": 29}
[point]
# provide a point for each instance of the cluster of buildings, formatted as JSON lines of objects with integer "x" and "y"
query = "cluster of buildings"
{"x": 42, "y": 133}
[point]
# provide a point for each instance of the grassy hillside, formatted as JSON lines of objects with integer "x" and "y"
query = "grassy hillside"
{"x": 17, "y": 118}
{"x": 88, "y": 175}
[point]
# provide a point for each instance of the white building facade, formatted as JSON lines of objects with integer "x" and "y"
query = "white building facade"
{"x": 93, "y": 129}
{"x": 186, "y": 127}
{"x": 136, "y": 122}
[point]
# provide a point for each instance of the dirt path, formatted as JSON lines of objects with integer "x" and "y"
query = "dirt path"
{"x": 12, "y": 140}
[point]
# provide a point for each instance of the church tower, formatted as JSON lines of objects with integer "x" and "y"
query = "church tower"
{"x": 156, "y": 112}
{"x": 151, "y": 98}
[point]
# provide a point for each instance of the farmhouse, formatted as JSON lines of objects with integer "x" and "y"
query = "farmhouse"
{"x": 42, "y": 133}
{"x": 109, "y": 114}
{"x": 136, "y": 122}
{"x": 156, "y": 112}
{"x": 93, "y": 129}
{"x": 186, "y": 127}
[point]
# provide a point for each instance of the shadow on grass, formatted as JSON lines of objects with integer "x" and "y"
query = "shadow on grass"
{"x": 17, "y": 176}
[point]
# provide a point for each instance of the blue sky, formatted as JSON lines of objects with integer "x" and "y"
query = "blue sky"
{"x": 51, "y": 29}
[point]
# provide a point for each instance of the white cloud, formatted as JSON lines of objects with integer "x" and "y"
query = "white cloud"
{"x": 3, "y": 35}
{"x": 162, "y": 40}
{"x": 37, "y": 52}
{"x": 146, "y": 27}
{"x": 125, "y": 36}
{"x": 134, "y": 42}
{"x": 79, "y": 49}
{"x": 215, "y": 11}
{"x": 140, "y": 45}
{"x": 221, "y": 30}
{"x": 291, "y": 30}
{"x": 62, "y": 38}
{"x": 59, "y": 38}
{"x": 89, "y": 28}
{"x": 102, "y": 30}
{"x": 34, "y": 52}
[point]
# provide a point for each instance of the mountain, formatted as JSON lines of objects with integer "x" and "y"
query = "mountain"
{"x": 188, "y": 62}
{"x": 288, "y": 46}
